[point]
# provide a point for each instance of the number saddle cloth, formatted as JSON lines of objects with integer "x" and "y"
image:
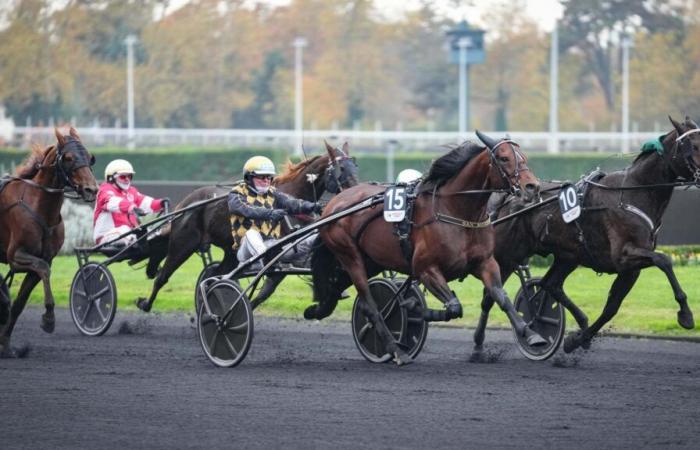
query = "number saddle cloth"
{"x": 403, "y": 228}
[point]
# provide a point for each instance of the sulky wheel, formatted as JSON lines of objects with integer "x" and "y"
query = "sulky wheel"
{"x": 93, "y": 299}
{"x": 395, "y": 317}
{"x": 227, "y": 333}
{"x": 416, "y": 328}
{"x": 544, "y": 315}
{"x": 206, "y": 272}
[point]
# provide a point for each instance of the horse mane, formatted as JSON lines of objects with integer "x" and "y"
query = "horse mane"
{"x": 450, "y": 164}
{"x": 29, "y": 167}
{"x": 292, "y": 171}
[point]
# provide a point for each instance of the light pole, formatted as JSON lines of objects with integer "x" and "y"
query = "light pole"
{"x": 626, "y": 44}
{"x": 299, "y": 44}
{"x": 130, "y": 41}
{"x": 554, "y": 92}
{"x": 463, "y": 44}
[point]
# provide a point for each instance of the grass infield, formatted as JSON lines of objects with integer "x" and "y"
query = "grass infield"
{"x": 649, "y": 308}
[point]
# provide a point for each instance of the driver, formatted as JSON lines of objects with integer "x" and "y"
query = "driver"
{"x": 408, "y": 176}
{"x": 119, "y": 203}
{"x": 257, "y": 209}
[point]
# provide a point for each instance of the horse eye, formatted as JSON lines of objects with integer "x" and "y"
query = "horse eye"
{"x": 68, "y": 157}
{"x": 503, "y": 159}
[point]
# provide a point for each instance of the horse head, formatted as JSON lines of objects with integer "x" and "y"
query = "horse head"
{"x": 74, "y": 165}
{"x": 341, "y": 172}
{"x": 686, "y": 156}
{"x": 509, "y": 167}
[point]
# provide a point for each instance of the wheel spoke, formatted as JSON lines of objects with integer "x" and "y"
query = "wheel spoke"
{"x": 238, "y": 329}
{"x": 217, "y": 294}
{"x": 101, "y": 292}
{"x": 212, "y": 341}
{"x": 99, "y": 310}
{"x": 388, "y": 308}
{"x": 87, "y": 310}
{"x": 207, "y": 320}
{"x": 230, "y": 346}
{"x": 80, "y": 292}
{"x": 547, "y": 320}
{"x": 364, "y": 330}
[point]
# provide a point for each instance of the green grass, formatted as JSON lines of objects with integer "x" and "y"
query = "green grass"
{"x": 649, "y": 308}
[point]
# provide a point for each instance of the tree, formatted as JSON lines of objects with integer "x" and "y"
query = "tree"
{"x": 593, "y": 27}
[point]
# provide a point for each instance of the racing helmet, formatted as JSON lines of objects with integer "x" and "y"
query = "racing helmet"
{"x": 118, "y": 166}
{"x": 408, "y": 176}
{"x": 258, "y": 165}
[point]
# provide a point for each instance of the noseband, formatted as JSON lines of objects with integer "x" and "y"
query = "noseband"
{"x": 334, "y": 178}
{"x": 686, "y": 147}
{"x": 513, "y": 180}
{"x": 63, "y": 173}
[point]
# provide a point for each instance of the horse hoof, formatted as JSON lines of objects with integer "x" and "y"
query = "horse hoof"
{"x": 535, "y": 340}
{"x": 477, "y": 354}
{"x": 571, "y": 343}
{"x": 311, "y": 312}
{"x": 401, "y": 358}
{"x": 48, "y": 324}
{"x": 586, "y": 344}
{"x": 143, "y": 305}
{"x": 685, "y": 319}
{"x": 454, "y": 311}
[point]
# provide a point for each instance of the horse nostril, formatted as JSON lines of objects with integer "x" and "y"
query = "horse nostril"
{"x": 532, "y": 187}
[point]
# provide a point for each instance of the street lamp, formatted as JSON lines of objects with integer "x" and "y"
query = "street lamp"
{"x": 554, "y": 92}
{"x": 130, "y": 41}
{"x": 626, "y": 43}
{"x": 298, "y": 44}
{"x": 466, "y": 47}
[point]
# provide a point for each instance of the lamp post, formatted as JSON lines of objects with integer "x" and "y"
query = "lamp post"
{"x": 298, "y": 44}
{"x": 554, "y": 92}
{"x": 626, "y": 43}
{"x": 466, "y": 46}
{"x": 130, "y": 41}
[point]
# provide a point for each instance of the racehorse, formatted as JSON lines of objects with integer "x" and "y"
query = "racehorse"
{"x": 616, "y": 232}
{"x": 31, "y": 228}
{"x": 451, "y": 238}
{"x": 308, "y": 180}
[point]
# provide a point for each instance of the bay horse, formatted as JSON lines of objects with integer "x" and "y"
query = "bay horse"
{"x": 451, "y": 236}
{"x": 616, "y": 232}
{"x": 31, "y": 227}
{"x": 308, "y": 180}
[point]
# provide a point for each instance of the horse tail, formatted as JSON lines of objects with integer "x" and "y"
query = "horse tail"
{"x": 329, "y": 280}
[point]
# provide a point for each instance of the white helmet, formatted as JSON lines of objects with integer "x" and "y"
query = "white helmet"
{"x": 118, "y": 166}
{"x": 408, "y": 176}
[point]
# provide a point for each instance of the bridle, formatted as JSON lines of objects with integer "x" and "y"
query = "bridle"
{"x": 513, "y": 180}
{"x": 686, "y": 148}
{"x": 65, "y": 173}
{"x": 335, "y": 177}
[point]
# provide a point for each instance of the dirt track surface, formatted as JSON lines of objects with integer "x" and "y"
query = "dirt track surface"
{"x": 304, "y": 385}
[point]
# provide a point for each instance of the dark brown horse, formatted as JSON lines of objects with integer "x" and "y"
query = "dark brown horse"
{"x": 308, "y": 180}
{"x": 616, "y": 232}
{"x": 31, "y": 229}
{"x": 451, "y": 238}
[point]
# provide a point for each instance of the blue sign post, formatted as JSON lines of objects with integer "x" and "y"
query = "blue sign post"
{"x": 466, "y": 46}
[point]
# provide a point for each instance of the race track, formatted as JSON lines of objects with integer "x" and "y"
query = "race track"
{"x": 305, "y": 385}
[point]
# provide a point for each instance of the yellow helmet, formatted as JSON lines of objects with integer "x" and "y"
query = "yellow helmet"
{"x": 118, "y": 166}
{"x": 258, "y": 165}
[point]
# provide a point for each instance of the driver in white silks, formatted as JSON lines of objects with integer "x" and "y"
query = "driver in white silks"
{"x": 257, "y": 209}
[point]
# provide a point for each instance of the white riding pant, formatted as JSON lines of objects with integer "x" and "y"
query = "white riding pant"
{"x": 253, "y": 244}
{"x": 115, "y": 233}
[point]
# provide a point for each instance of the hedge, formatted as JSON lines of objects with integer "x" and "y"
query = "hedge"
{"x": 194, "y": 164}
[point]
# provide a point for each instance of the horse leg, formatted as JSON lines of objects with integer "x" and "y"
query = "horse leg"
{"x": 5, "y": 302}
{"x": 172, "y": 262}
{"x": 553, "y": 283}
{"x": 486, "y": 305}
{"x": 435, "y": 282}
{"x": 633, "y": 256}
{"x": 490, "y": 276}
{"x": 28, "y": 262}
{"x": 25, "y": 289}
{"x": 268, "y": 287}
{"x": 619, "y": 290}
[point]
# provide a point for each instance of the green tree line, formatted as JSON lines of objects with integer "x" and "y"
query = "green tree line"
{"x": 230, "y": 64}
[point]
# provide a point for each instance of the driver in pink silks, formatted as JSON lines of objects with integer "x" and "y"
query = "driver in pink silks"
{"x": 119, "y": 203}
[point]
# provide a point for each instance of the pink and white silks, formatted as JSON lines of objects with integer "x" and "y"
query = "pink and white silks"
{"x": 114, "y": 212}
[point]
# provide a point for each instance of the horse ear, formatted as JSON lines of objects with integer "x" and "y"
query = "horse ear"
{"x": 330, "y": 150}
{"x": 346, "y": 149}
{"x": 676, "y": 125}
{"x": 74, "y": 133}
{"x": 489, "y": 142}
{"x": 691, "y": 122}
{"x": 59, "y": 137}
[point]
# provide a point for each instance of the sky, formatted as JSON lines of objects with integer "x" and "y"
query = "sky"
{"x": 543, "y": 12}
